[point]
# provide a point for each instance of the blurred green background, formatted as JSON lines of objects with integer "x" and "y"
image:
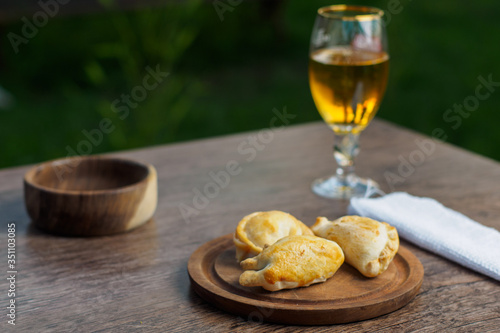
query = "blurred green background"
{"x": 227, "y": 75}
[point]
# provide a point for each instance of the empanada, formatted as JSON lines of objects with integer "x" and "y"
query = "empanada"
{"x": 369, "y": 245}
{"x": 265, "y": 228}
{"x": 291, "y": 262}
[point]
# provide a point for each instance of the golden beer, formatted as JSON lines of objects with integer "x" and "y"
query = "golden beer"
{"x": 347, "y": 86}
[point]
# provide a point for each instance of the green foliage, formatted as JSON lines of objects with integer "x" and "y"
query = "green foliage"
{"x": 226, "y": 76}
{"x": 75, "y": 68}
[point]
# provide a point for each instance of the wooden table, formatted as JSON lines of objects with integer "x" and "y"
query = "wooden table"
{"x": 138, "y": 281}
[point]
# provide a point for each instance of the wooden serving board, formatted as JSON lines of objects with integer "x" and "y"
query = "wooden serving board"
{"x": 346, "y": 297}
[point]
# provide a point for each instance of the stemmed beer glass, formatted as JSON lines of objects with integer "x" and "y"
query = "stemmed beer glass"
{"x": 348, "y": 70}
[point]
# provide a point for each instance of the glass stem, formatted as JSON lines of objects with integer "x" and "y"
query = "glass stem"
{"x": 345, "y": 149}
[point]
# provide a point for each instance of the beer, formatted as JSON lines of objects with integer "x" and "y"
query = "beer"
{"x": 347, "y": 86}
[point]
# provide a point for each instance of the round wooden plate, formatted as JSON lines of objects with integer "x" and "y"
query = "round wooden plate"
{"x": 346, "y": 297}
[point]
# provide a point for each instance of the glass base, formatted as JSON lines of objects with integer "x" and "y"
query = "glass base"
{"x": 353, "y": 187}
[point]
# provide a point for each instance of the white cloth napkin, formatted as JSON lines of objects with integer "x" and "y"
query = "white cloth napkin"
{"x": 429, "y": 224}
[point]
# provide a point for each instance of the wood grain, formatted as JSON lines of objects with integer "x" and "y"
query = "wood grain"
{"x": 90, "y": 196}
{"x": 138, "y": 281}
{"x": 346, "y": 297}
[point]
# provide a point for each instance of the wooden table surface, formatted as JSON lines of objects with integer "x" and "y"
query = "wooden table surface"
{"x": 138, "y": 281}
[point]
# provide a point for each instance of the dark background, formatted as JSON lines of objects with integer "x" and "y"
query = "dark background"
{"x": 226, "y": 76}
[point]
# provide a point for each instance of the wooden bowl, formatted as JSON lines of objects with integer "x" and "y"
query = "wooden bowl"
{"x": 90, "y": 196}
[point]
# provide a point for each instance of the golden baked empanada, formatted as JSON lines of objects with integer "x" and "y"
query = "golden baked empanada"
{"x": 265, "y": 228}
{"x": 369, "y": 245}
{"x": 291, "y": 262}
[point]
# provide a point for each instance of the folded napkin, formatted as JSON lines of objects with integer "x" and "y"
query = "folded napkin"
{"x": 429, "y": 224}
